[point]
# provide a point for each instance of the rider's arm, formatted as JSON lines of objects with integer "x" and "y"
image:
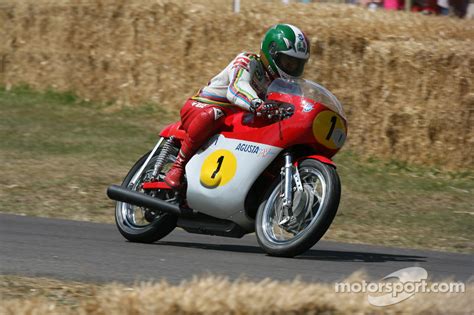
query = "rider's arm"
{"x": 240, "y": 92}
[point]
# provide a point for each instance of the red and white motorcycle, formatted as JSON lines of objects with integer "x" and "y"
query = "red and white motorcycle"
{"x": 271, "y": 175}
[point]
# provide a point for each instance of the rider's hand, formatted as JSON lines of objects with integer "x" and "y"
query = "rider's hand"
{"x": 260, "y": 108}
{"x": 255, "y": 104}
{"x": 267, "y": 108}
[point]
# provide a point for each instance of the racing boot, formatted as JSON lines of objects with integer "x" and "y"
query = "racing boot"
{"x": 175, "y": 174}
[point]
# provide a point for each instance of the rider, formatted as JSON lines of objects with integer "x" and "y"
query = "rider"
{"x": 243, "y": 83}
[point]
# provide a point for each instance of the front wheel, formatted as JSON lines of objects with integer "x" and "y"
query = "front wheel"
{"x": 144, "y": 225}
{"x": 313, "y": 211}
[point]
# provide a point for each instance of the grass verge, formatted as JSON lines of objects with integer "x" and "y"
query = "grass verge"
{"x": 58, "y": 154}
{"x": 210, "y": 295}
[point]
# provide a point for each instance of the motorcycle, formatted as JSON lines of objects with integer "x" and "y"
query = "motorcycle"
{"x": 271, "y": 174}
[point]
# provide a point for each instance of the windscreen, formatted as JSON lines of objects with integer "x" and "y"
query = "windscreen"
{"x": 307, "y": 89}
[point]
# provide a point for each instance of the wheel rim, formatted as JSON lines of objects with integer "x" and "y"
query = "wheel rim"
{"x": 307, "y": 208}
{"x": 139, "y": 218}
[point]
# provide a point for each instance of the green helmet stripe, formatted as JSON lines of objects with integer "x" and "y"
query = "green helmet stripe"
{"x": 288, "y": 34}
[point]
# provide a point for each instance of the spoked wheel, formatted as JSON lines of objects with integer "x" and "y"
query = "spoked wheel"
{"x": 290, "y": 232}
{"x": 138, "y": 224}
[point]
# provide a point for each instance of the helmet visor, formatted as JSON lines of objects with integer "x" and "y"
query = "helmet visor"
{"x": 290, "y": 65}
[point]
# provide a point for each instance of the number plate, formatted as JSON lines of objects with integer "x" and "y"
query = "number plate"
{"x": 329, "y": 129}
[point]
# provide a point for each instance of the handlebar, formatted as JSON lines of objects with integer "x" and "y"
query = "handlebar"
{"x": 282, "y": 111}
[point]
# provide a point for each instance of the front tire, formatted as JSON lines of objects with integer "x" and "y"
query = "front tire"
{"x": 314, "y": 210}
{"x": 142, "y": 225}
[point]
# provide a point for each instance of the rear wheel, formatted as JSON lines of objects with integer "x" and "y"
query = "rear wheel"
{"x": 138, "y": 224}
{"x": 313, "y": 211}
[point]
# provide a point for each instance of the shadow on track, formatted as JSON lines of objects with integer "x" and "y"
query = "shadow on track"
{"x": 312, "y": 254}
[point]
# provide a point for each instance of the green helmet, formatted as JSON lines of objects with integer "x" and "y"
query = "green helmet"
{"x": 284, "y": 51}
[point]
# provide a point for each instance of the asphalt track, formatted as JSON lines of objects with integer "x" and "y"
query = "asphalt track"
{"x": 95, "y": 252}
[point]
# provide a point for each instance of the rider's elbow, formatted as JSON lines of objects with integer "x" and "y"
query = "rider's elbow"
{"x": 232, "y": 96}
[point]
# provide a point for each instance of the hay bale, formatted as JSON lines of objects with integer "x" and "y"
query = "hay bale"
{"x": 405, "y": 79}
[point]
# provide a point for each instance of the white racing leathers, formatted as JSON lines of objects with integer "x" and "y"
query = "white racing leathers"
{"x": 243, "y": 80}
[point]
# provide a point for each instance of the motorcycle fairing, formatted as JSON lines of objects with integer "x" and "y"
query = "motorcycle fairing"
{"x": 304, "y": 127}
{"x": 221, "y": 174}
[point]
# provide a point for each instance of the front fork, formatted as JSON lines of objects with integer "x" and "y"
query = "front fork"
{"x": 290, "y": 174}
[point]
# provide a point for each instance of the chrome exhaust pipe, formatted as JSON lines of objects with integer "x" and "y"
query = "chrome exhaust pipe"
{"x": 122, "y": 194}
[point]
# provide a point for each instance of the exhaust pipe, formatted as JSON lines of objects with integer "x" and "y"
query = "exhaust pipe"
{"x": 122, "y": 194}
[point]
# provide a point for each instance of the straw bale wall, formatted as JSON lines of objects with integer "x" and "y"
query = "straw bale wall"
{"x": 405, "y": 79}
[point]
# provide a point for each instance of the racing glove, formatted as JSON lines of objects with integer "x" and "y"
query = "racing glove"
{"x": 255, "y": 104}
{"x": 258, "y": 106}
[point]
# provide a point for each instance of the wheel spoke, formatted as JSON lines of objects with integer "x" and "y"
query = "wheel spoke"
{"x": 318, "y": 196}
{"x": 134, "y": 219}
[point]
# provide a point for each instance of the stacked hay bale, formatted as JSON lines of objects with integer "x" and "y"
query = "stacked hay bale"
{"x": 406, "y": 80}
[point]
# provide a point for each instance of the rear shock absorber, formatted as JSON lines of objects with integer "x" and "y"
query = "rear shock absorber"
{"x": 160, "y": 161}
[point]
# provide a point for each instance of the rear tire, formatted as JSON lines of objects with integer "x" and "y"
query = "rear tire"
{"x": 155, "y": 225}
{"x": 319, "y": 220}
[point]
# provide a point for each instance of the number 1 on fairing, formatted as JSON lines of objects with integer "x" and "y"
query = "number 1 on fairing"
{"x": 219, "y": 164}
{"x": 333, "y": 125}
